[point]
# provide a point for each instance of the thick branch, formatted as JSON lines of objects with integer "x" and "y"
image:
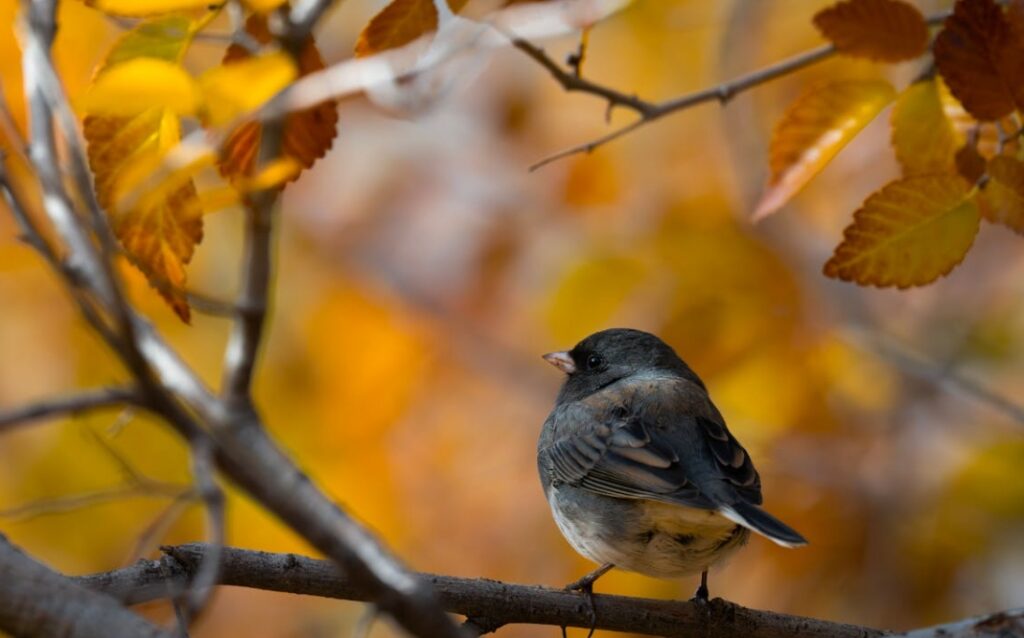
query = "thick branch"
{"x": 500, "y": 603}
{"x": 36, "y": 601}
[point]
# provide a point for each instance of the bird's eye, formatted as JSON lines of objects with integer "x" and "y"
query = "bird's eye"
{"x": 594, "y": 361}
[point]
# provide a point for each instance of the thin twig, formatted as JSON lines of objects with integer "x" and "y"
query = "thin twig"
{"x": 721, "y": 93}
{"x": 650, "y": 111}
{"x": 570, "y": 81}
{"x": 71, "y": 502}
{"x": 212, "y": 496}
{"x": 63, "y": 406}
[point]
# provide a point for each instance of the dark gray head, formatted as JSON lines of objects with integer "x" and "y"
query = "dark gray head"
{"x": 607, "y": 356}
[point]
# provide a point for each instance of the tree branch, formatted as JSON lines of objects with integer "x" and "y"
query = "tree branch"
{"x": 651, "y": 111}
{"x": 500, "y": 603}
{"x": 73, "y": 404}
{"x": 36, "y": 601}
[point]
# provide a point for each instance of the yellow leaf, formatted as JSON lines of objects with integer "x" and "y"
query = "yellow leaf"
{"x": 400, "y": 23}
{"x": 147, "y": 8}
{"x": 910, "y": 233}
{"x": 813, "y": 130}
{"x": 308, "y": 134}
{"x": 1004, "y": 193}
{"x": 233, "y": 90}
{"x": 922, "y": 135}
{"x": 274, "y": 174}
{"x": 263, "y": 6}
{"x": 159, "y": 231}
{"x": 131, "y": 87}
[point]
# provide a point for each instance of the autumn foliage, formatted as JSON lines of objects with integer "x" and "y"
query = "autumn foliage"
{"x": 917, "y": 228}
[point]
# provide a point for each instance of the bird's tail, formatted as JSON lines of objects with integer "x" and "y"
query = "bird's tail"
{"x": 756, "y": 519}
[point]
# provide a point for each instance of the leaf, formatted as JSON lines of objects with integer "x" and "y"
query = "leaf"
{"x": 233, "y": 90}
{"x": 981, "y": 58}
{"x": 922, "y": 135}
{"x": 308, "y": 134}
{"x": 400, "y": 23}
{"x": 131, "y": 87}
{"x": 160, "y": 231}
{"x": 882, "y": 30}
{"x": 146, "y": 8}
{"x": 813, "y": 129}
{"x": 1004, "y": 193}
{"x": 969, "y": 162}
{"x": 910, "y": 233}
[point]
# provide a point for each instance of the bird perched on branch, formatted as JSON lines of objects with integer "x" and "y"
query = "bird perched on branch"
{"x": 638, "y": 466}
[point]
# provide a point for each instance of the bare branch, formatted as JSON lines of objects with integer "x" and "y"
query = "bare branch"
{"x": 501, "y": 603}
{"x": 36, "y": 601}
{"x": 721, "y": 94}
{"x": 571, "y": 81}
{"x": 63, "y": 406}
{"x": 650, "y": 111}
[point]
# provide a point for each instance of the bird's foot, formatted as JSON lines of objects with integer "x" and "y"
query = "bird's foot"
{"x": 586, "y": 584}
{"x": 701, "y": 595}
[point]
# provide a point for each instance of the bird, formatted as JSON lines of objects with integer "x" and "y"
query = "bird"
{"x": 638, "y": 467}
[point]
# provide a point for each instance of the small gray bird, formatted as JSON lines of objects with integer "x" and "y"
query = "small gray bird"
{"x": 638, "y": 466}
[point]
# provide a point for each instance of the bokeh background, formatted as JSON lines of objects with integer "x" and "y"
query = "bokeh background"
{"x": 422, "y": 270}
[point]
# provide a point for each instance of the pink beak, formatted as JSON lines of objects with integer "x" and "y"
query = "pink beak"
{"x": 561, "y": 360}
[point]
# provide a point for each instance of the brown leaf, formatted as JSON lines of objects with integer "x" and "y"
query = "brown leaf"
{"x": 813, "y": 129}
{"x": 884, "y": 30}
{"x": 923, "y": 137}
{"x": 969, "y": 162}
{"x": 910, "y": 233}
{"x": 981, "y": 58}
{"x": 1004, "y": 193}
{"x": 308, "y": 134}
{"x": 400, "y": 23}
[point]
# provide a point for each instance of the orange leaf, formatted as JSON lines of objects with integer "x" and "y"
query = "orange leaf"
{"x": 910, "y": 233}
{"x": 981, "y": 58}
{"x": 922, "y": 135}
{"x": 400, "y": 23}
{"x": 160, "y": 231}
{"x": 814, "y": 128}
{"x": 884, "y": 30}
{"x": 1004, "y": 193}
{"x": 308, "y": 134}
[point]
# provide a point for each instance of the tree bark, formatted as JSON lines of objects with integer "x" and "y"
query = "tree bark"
{"x": 37, "y": 601}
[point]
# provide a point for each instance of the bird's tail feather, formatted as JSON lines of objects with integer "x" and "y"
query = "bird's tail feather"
{"x": 756, "y": 519}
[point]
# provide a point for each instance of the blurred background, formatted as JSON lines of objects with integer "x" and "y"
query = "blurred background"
{"x": 422, "y": 270}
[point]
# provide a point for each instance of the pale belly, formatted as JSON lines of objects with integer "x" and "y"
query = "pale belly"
{"x": 648, "y": 537}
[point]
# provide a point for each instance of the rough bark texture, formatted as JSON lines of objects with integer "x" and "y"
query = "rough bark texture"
{"x": 37, "y": 601}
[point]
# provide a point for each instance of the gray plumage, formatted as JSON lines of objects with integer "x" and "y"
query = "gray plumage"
{"x": 638, "y": 465}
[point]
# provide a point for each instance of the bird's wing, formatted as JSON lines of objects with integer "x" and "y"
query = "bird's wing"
{"x": 658, "y": 441}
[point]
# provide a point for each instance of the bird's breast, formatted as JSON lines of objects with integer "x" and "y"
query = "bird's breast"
{"x": 657, "y": 539}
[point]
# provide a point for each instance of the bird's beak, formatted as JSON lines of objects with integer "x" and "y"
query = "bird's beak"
{"x": 562, "y": 361}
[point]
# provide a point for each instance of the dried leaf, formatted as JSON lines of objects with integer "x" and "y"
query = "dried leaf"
{"x": 922, "y": 135}
{"x": 160, "y": 231}
{"x": 1004, "y": 193}
{"x": 813, "y": 130}
{"x": 910, "y": 233}
{"x": 400, "y": 23}
{"x": 308, "y": 134}
{"x": 969, "y": 162}
{"x": 981, "y": 58}
{"x": 883, "y": 30}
